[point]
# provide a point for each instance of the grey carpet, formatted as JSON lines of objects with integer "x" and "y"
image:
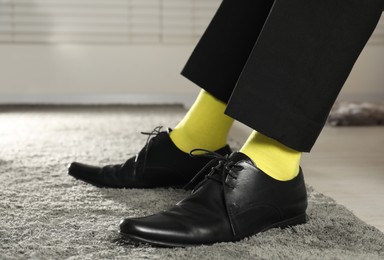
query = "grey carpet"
{"x": 45, "y": 214}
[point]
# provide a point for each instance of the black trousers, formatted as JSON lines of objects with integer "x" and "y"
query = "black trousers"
{"x": 280, "y": 64}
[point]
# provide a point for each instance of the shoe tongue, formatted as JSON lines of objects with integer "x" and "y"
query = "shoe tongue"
{"x": 238, "y": 156}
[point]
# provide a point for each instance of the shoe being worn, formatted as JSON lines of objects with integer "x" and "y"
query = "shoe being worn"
{"x": 159, "y": 164}
{"x": 234, "y": 201}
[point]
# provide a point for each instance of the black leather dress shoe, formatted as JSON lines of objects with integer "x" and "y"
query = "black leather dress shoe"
{"x": 159, "y": 164}
{"x": 236, "y": 200}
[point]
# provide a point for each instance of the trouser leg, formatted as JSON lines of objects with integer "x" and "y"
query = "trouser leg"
{"x": 220, "y": 55}
{"x": 291, "y": 64}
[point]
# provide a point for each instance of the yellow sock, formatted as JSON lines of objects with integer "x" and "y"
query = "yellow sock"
{"x": 204, "y": 126}
{"x": 275, "y": 159}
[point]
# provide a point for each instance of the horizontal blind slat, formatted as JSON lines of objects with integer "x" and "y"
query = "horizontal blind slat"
{"x": 104, "y": 21}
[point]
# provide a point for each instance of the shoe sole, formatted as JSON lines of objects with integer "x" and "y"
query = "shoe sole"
{"x": 181, "y": 186}
{"x": 298, "y": 220}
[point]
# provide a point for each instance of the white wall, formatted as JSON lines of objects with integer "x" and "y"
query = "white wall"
{"x": 366, "y": 81}
{"x": 93, "y": 73}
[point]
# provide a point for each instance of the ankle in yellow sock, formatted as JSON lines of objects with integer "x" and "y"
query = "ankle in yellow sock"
{"x": 272, "y": 157}
{"x": 204, "y": 126}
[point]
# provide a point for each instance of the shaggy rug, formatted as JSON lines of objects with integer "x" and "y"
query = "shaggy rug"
{"x": 46, "y": 214}
{"x": 357, "y": 114}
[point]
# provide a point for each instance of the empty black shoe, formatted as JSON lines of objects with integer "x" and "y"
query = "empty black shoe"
{"x": 159, "y": 164}
{"x": 236, "y": 200}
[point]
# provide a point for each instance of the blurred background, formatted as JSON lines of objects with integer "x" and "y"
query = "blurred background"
{"x": 123, "y": 52}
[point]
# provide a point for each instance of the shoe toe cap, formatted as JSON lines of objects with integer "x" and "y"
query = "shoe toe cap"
{"x": 79, "y": 170}
{"x": 144, "y": 230}
{"x": 126, "y": 226}
{"x": 132, "y": 229}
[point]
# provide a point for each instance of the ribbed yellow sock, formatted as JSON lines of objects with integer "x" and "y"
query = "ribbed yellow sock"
{"x": 204, "y": 126}
{"x": 272, "y": 157}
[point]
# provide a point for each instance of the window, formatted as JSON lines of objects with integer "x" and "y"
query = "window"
{"x": 104, "y": 21}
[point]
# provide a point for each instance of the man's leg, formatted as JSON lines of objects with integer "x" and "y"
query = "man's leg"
{"x": 205, "y": 126}
{"x": 292, "y": 77}
{"x": 298, "y": 66}
{"x": 272, "y": 157}
{"x": 297, "y": 82}
{"x": 215, "y": 66}
{"x": 290, "y": 80}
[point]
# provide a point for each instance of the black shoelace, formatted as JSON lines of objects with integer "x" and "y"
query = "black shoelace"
{"x": 151, "y": 137}
{"x": 220, "y": 167}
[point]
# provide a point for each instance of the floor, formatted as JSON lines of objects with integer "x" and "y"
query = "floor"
{"x": 347, "y": 164}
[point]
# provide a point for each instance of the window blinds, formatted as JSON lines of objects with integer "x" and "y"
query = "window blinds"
{"x": 104, "y": 21}
{"x": 111, "y": 21}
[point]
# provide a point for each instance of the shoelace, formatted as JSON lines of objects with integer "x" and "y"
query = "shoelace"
{"x": 223, "y": 166}
{"x": 155, "y": 132}
{"x": 151, "y": 136}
